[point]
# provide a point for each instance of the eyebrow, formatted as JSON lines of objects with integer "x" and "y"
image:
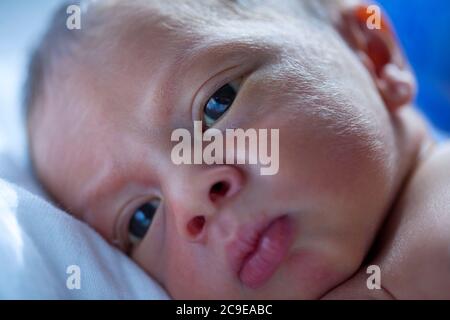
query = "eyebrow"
{"x": 232, "y": 52}
{"x": 185, "y": 59}
{"x": 222, "y": 49}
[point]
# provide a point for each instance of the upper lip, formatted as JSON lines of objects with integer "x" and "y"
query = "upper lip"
{"x": 246, "y": 242}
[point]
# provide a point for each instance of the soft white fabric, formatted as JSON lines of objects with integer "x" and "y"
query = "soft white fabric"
{"x": 38, "y": 243}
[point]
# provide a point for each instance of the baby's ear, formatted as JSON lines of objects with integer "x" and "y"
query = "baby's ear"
{"x": 368, "y": 32}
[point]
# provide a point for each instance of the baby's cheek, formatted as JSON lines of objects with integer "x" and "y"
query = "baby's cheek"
{"x": 191, "y": 272}
{"x": 179, "y": 276}
{"x": 312, "y": 274}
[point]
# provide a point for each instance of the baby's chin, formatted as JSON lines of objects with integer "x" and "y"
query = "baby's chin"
{"x": 304, "y": 274}
{"x": 296, "y": 280}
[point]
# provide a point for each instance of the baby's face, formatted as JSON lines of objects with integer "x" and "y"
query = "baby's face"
{"x": 103, "y": 150}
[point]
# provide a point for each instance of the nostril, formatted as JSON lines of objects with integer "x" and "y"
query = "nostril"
{"x": 195, "y": 226}
{"x": 219, "y": 190}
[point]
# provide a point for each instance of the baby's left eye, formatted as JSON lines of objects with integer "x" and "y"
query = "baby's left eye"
{"x": 219, "y": 103}
{"x": 141, "y": 220}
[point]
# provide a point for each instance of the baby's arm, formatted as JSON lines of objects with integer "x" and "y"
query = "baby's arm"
{"x": 414, "y": 254}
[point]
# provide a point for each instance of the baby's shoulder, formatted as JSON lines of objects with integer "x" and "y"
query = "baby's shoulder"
{"x": 412, "y": 251}
{"x": 428, "y": 191}
{"x": 415, "y": 243}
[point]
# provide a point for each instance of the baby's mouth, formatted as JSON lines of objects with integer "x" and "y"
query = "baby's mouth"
{"x": 258, "y": 252}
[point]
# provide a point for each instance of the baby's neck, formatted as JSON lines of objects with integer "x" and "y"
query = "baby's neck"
{"x": 414, "y": 144}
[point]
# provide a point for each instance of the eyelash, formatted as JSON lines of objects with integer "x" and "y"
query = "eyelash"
{"x": 121, "y": 239}
{"x": 236, "y": 83}
{"x": 228, "y": 75}
{"x": 220, "y": 93}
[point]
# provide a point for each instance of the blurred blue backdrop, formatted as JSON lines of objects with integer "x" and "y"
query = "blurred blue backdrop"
{"x": 423, "y": 27}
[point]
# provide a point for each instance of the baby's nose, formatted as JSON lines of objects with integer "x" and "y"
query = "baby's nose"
{"x": 209, "y": 190}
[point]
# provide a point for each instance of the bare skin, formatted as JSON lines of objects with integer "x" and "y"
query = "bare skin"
{"x": 413, "y": 248}
{"x": 349, "y": 142}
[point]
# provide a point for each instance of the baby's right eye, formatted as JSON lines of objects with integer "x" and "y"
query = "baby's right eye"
{"x": 220, "y": 102}
{"x": 141, "y": 220}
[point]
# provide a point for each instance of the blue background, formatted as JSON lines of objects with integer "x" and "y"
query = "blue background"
{"x": 423, "y": 27}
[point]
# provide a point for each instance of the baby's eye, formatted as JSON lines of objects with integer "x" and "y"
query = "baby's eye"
{"x": 219, "y": 103}
{"x": 141, "y": 220}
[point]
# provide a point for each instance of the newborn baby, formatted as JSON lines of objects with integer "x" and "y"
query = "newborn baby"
{"x": 360, "y": 180}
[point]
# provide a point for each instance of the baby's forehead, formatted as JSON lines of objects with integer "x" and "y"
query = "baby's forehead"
{"x": 181, "y": 22}
{"x": 147, "y": 40}
{"x": 173, "y": 17}
{"x": 157, "y": 29}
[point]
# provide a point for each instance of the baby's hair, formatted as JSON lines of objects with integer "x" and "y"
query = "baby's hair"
{"x": 61, "y": 44}
{"x": 58, "y": 41}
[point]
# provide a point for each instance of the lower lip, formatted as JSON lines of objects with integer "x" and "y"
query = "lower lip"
{"x": 273, "y": 246}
